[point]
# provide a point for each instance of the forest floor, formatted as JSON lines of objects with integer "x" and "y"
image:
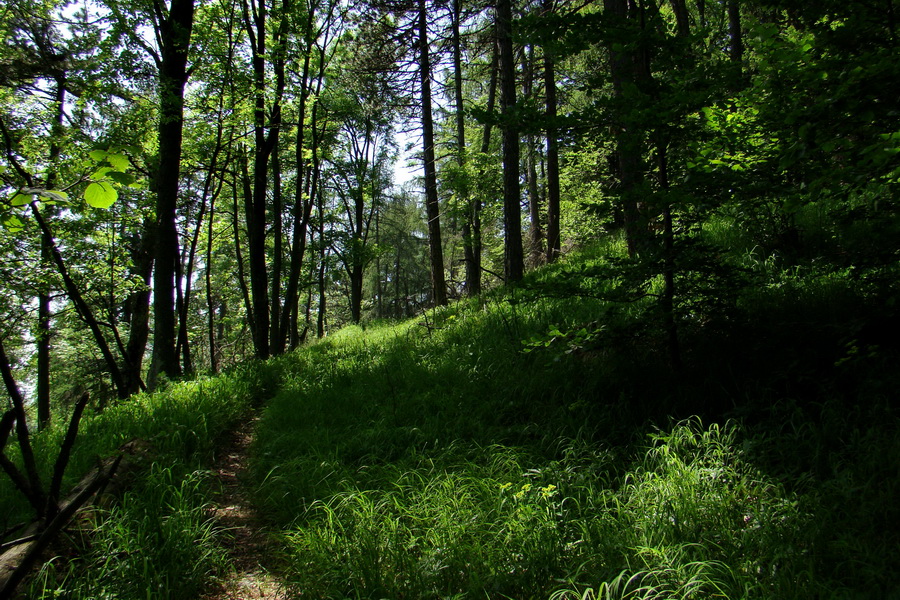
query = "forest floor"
{"x": 249, "y": 541}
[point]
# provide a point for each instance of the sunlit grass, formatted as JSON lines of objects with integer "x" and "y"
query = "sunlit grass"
{"x": 159, "y": 541}
{"x": 534, "y": 444}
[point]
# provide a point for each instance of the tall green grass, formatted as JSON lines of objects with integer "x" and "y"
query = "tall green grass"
{"x": 688, "y": 517}
{"x": 535, "y": 443}
{"x": 530, "y": 444}
{"x": 158, "y": 541}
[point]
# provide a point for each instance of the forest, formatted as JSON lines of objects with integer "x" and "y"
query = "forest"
{"x": 562, "y": 299}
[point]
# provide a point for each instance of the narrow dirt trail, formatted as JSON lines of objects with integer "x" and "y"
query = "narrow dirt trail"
{"x": 251, "y": 550}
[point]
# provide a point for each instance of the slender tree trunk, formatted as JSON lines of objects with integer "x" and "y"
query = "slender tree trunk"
{"x": 473, "y": 266}
{"x": 626, "y": 72}
{"x": 42, "y": 338}
{"x": 535, "y": 230}
{"x": 265, "y": 143}
{"x": 142, "y": 254}
{"x": 432, "y": 209}
{"x": 82, "y": 307}
{"x": 208, "y": 196}
{"x": 514, "y": 260}
{"x": 475, "y": 262}
{"x": 736, "y": 49}
{"x": 276, "y": 345}
{"x": 667, "y": 300}
{"x": 553, "y": 209}
{"x": 682, "y": 20}
{"x": 238, "y": 253}
{"x": 210, "y": 298}
{"x": 303, "y": 202}
{"x": 320, "y": 316}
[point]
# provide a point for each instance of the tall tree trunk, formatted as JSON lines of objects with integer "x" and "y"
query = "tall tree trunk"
{"x": 42, "y": 337}
{"x": 626, "y": 71}
{"x": 275, "y": 345}
{"x": 667, "y": 300}
{"x": 320, "y": 315}
{"x": 682, "y": 20}
{"x": 246, "y": 188}
{"x": 553, "y": 209}
{"x": 736, "y": 49}
{"x": 210, "y": 298}
{"x": 142, "y": 253}
{"x": 484, "y": 149}
{"x": 514, "y": 260}
{"x": 473, "y": 267}
{"x": 303, "y": 196}
{"x": 535, "y": 230}
{"x": 175, "y": 36}
{"x": 432, "y": 209}
{"x": 265, "y": 143}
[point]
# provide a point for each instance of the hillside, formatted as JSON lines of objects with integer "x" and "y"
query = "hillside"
{"x": 533, "y": 445}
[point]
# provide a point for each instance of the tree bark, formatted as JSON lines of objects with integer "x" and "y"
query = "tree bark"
{"x": 682, "y": 20}
{"x": 553, "y": 209}
{"x": 626, "y": 70}
{"x": 514, "y": 260}
{"x": 432, "y": 209}
{"x": 175, "y": 35}
{"x": 736, "y": 49}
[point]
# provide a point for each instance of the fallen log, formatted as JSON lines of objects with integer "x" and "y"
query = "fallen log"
{"x": 108, "y": 479}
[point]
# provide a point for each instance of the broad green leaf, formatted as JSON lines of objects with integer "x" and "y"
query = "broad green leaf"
{"x": 100, "y": 194}
{"x": 20, "y": 200}
{"x": 98, "y": 155}
{"x": 101, "y": 173}
{"x": 118, "y": 161}
{"x": 121, "y": 178}
{"x": 13, "y": 224}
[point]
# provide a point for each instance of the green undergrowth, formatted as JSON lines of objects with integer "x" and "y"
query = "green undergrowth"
{"x": 535, "y": 445}
{"x": 536, "y": 442}
{"x": 158, "y": 540}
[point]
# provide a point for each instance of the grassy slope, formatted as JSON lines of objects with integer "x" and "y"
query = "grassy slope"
{"x": 438, "y": 458}
{"x": 528, "y": 445}
{"x": 158, "y": 540}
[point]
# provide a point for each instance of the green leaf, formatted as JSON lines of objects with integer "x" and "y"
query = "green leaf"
{"x": 98, "y": 155}
{"x": 54, "y": 195}
{"x": 20, "y": 200}
{"x": 101, "y": 173}
{"x": 100, "y": 194}
{"x": 121, "y": 178}
{"x": 13, "y": 224}
{"x": 118, "y": 161}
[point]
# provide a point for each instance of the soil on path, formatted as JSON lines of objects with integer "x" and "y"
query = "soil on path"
{"x": 249, "y": 544}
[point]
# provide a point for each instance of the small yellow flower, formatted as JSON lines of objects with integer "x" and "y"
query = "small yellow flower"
{"x": 548, "y": 491}
{"x": 521, "y": 493}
